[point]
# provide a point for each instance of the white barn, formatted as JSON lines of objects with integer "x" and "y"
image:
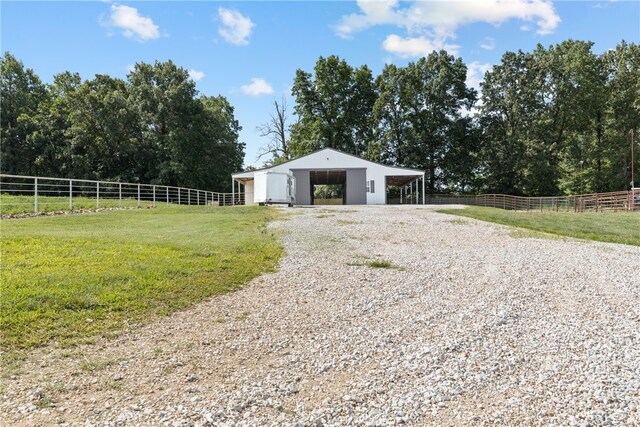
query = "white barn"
{"x": 363, "y": 182}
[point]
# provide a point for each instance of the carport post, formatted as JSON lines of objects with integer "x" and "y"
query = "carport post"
{"x": 233, "y": 191}
{"x": 423, "y": 195}
{"x": 400, "y": 195}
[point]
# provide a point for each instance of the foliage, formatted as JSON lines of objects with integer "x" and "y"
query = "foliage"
{"x": 334, "y": 191}
{"x": 154, "y": 127}
{"x": 21, "y": 92}
{"x": 613, "y": 227}
{"x": 557, "y": 120}
{"x": 73, "y": 277}
{"x": 420, "y": 111}
{"x": 553, "y": 121}
{"x": 334, "y": 108}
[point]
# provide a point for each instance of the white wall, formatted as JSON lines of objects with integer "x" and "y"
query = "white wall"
{"x": 329, "y": 159}
{"x": 248, "y": 195}
{"x": 377, "y": 175}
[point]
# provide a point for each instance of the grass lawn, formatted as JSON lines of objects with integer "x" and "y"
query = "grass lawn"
{"x": 10, "y": 204}
{"x": 74, "y": 277}
{"x": 613, "y": 227}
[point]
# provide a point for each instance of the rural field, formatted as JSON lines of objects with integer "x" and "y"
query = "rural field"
{"x": 382, "y": 315}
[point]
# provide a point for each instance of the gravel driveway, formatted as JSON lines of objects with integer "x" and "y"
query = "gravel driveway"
{"x": 469, "y": 325}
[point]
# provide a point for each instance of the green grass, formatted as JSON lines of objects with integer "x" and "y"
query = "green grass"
{"x": 612, "y": 227}
{"x": 73, "y": 278}
{"x": 376, "y": 264}
{"x": 10, "y": 204}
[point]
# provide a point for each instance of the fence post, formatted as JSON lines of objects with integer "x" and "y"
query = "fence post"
{"x": 35, "y": 195}
{"x": 179, "y": 191}
{"x": 119, "y": 194}
{"x": 97, "y": 195}
{"x": 138, "y": 195}
{"x": 198, "y": 197}
{"x": 167, "y": 195}
{"x": 70, "y": 194}
{"x": 189, "y": 197}
{"x": 154, "y": 196}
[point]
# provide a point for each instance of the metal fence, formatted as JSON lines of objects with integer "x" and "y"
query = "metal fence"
{"x": 596, "y": 202}
{"x": 20, "y": 194}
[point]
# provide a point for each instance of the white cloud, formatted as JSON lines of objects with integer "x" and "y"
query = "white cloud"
{"x": 415, "y": 46}
{"x": 437, "y": 21}
{"x": 257, "y": 87}
{"x": 235, "y": 27}
{"x": 448, "y": 15}
{"x": 489, "y": 43}
{"x": 132, "y": 24}
{"x": 475, "y": 74}
{"x": 196, "y": 75}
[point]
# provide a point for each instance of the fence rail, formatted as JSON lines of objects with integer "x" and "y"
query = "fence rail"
{"x": 20, "y": 194}
{"x": 597, "y": 202}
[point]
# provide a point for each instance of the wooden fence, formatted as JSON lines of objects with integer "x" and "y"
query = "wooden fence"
{"x": 596, "y": 202}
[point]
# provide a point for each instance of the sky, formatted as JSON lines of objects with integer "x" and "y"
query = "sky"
{"x": 249, "y": 51}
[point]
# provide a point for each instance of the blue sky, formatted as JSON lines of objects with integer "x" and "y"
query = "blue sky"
{"x": 249, "y": 51}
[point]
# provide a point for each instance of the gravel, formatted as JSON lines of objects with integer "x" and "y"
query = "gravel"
{"x": 468, "y": 326}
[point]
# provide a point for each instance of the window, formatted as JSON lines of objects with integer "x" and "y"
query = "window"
{"x": 371, "y": 186}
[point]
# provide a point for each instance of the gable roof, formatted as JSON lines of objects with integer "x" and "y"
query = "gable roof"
{"x": 360, "y": 159}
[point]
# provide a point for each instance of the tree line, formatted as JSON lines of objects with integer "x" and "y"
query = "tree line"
{"x": 557, "y": 120}
{"x": 154, "y": 127}
{"x": 553, "y": 121}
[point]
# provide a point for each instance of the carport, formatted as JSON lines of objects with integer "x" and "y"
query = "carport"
{"x": 409, "y": 186}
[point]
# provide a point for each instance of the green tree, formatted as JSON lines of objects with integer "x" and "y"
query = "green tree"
{"x": 622, "y": 65}
{"x": 219, "y": 153}
{"x": 334, "y": 108}
{"x": 570, "y": 124}
{"x": 420, "y": 111}
{"x": 390, "y": 115}
{"x": 21, "y": 93}
{"x": 511, "y": 101}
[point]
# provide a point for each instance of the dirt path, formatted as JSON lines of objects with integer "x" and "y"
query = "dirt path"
{"x": 466, "y": 326}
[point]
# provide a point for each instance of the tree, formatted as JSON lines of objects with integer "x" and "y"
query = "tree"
{"x": 390, "y": 114}
{"x": 420, "y": 112}
{"x": 221, "y": 153}
{"x": 21, "y": 93}
{"x": 510, "y": 101}
{"x": 334, "y": 108}
{"x": 622, "y": 65}
{"x": 276, "y": 130}
{"x": 570, "y": 125}
{"x": 185, "y": 141}
{"x": 151, "y": 128}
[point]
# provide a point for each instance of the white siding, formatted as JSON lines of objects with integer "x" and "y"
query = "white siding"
{"x": 248, "y": 193}
{"x": 331, "y": 159}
